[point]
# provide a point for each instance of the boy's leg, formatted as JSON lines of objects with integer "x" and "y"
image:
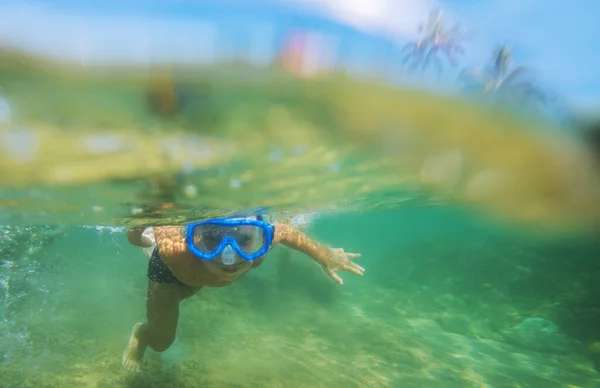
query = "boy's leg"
{"x": 162, "y": 306}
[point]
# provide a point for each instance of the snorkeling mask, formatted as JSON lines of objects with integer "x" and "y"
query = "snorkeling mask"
{"x": 249, "y": 238}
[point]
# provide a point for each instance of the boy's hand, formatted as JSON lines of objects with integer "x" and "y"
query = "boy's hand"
{"x": 340, "y": 261}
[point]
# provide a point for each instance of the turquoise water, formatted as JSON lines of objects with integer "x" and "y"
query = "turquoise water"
{"x": 476, "y": 221}
{"x": 441, "y": 293}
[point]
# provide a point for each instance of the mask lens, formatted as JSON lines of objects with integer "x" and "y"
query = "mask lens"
{"x": 250, "y": 239}
{"x": 208, "y": 237}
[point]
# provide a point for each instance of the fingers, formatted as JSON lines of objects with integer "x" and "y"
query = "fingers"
{"x": 349, "y": 267}
{"x": 356, "y": 269}
{"x": 353, "y": 255}
{"x": 335, "y": 277}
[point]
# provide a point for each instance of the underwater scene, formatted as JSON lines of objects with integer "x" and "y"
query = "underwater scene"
{"x": 299, "y": 193}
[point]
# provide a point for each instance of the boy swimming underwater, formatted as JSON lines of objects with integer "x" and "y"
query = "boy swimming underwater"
{"x": 210, "y": 253}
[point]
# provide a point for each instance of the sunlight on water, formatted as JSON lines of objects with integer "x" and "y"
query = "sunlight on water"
{"x": 475, "y": 211}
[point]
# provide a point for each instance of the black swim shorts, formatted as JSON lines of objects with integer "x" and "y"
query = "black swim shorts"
{"x": 158, "y": 272}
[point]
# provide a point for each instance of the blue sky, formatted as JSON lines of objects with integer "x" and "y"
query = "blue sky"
{"x": 558, "y": 40}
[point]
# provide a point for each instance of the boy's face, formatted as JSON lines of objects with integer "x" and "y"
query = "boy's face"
{"x": 212, "y": 237}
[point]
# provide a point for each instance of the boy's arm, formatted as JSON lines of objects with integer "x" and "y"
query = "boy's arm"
{"x": 332, "y": 260}
{"x": 140, "y": 236}
{"x": 295, "y": 239}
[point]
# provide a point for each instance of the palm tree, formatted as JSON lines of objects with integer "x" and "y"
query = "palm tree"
{"x": 435, "y": 41}
{"x": 501, "y": 79}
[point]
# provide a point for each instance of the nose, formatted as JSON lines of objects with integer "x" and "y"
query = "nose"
{"x": 228, "y": 255}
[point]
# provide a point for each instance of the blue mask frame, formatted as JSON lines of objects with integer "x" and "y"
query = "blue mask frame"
{"x": 268, "y": 229}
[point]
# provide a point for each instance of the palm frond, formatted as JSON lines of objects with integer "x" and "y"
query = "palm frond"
{"x": 436, "y": 40}
{"x": 451, "y": 54}
{"x": 506, "y": 83}
{"x": 515, "y": 74}
{"x": 428, "y": 57}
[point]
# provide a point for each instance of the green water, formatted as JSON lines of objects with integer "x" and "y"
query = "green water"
{"x": 83, "y": 145}
{"x": 440, "y": 289}
{"x": 450, "y": 297}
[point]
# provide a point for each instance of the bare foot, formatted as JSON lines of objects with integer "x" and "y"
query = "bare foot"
{"x": 132, "y": 356}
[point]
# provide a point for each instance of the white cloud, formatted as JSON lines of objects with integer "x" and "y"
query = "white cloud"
{"x": 394, "y": 18}
{"x": 99, "y": 38}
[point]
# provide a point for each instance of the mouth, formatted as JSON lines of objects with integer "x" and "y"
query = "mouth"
{"x": 230, "y": 269}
